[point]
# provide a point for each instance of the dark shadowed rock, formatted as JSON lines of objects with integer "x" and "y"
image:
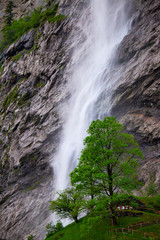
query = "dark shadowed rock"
{"x": 26, "y": 42}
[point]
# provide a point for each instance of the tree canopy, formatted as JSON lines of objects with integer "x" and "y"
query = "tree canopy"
{"x": 108, "y": 163}
{"x": 105, "y": 175}
{"x": 68, "y": 204}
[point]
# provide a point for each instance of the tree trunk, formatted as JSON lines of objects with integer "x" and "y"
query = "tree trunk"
{"x": 76, "y": 220}
{"x": 114, "y": 220}
{"x": 113, "y": 215}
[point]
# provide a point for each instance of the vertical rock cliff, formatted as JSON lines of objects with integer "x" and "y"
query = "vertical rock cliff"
{"x": 137, "y": 95}
{"x": 33, "y": 86}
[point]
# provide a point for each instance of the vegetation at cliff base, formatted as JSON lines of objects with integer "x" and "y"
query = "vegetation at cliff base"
{"x": 52, "y": 229}
{"x": 98, "y": 228}
{"x": 106, "y": 173}
{"x": 69, "y": 204}
{"x": 102, "y": 184}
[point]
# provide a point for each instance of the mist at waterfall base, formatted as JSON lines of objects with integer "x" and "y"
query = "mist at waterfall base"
{"x": 101, "y": 28}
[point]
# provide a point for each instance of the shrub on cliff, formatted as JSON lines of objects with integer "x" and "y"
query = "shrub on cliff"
{"x": 31, "y": 237}
{"x": 9, "y": 13}
{"x": 17, "y": 28}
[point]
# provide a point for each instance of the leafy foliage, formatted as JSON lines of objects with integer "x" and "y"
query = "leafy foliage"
{"x": 31, "y": 237}
{"x": 9, "y": 13}
{"x": 156, "y": 201}
{"x": 17, "y": 28}
{"x": 52, "y": 229}
{"x": 108, "y": 164}
{"x": 68, "y": 204}
{"x": 106, "y": 174}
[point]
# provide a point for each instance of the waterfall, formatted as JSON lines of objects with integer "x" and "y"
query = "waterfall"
{"x": 100, "y": 29}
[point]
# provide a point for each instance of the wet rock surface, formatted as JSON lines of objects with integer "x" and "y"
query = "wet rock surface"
{"x": 137, "y": 96}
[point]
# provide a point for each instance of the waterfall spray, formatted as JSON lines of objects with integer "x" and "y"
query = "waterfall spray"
{"x": 102, "y": 27}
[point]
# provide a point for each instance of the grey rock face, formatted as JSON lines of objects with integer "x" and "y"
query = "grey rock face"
{"x": 26, "y": 42}
{"x": 32, "y": 90}
{"x": 136, "y": 99}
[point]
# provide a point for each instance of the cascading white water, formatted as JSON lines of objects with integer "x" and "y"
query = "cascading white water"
{"x": 102, "y": 27}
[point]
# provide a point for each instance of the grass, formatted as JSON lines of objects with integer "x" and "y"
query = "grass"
{"x": 33, "y": 186}
{"x": 15, "y": 97}
{"x": 39, "y": 84}
{"x": 155, "y": 229}
{"x": 17, "y": 57}
{"x": 100, "y": 229}
{"x": 24, "y": 98}
{"x": 11, "y": 97}
{"x": 151, "y": 202}
{"x": 1, "y": 68}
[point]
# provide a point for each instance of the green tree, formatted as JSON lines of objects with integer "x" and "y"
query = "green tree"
{"x": 31, "y": 237}
{"x": 52, "y": 229}
{"x": 108, "y": 163}
{"x": 69, "y": 204}
{"x": 9, "y": 13}
{"x": 84, "y": 173}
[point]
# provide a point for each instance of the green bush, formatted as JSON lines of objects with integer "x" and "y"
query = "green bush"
{"x": 31, "y": 237}
{"x": 52, "y": 229}
{"x": 156, "y": 201}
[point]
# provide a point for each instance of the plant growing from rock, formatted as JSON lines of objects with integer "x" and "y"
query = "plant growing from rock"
{"x": 9, "y": 13}
{"x": 31, "y": 237}
{"x": 13, "y": 30}
{"x": 10, "y": 98}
